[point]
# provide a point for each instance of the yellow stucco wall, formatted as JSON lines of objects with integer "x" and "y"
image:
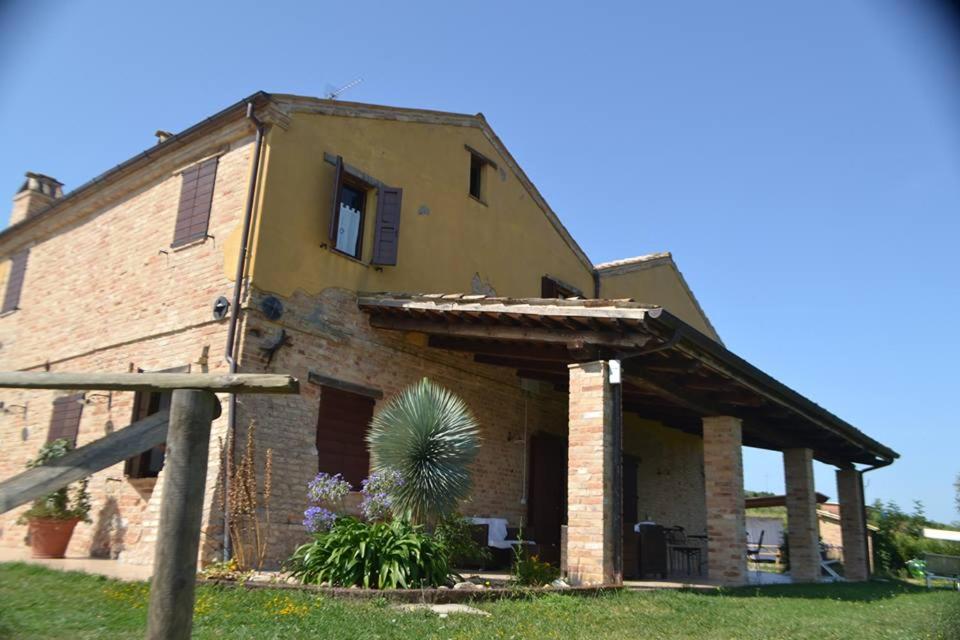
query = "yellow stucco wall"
{"x": 660, "y": 285}
{"x": 509, "y": 242}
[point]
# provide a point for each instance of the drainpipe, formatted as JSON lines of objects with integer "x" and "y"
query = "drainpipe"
{"x": 231, "y": 346}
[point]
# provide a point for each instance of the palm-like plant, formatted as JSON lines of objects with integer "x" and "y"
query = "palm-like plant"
{"x": 429, "y": 436}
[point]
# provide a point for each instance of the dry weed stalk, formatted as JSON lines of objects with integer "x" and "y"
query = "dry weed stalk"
{"x": 249, "y": 532}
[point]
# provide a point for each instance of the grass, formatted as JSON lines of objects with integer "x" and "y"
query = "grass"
{"x": 41, "y": 603}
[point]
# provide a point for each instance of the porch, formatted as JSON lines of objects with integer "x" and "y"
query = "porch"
{"x": 627, "y": 368}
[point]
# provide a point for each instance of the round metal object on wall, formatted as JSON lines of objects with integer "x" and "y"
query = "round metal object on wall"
{"x": 271, "y": 307}
{"x": 220, "y": 307}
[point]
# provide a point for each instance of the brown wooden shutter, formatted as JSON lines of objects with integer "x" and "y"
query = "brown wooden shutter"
{"x": 65, "y": 420}
{"x": 196, "y": 198}
{"x": 18, "y": 269}
{"x": 386, "y": 238}
{"x": 335, "y": 209}
{"x": 341, "y": 434}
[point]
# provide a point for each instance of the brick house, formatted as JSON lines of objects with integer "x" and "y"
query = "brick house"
{"x": 254, "y": 240}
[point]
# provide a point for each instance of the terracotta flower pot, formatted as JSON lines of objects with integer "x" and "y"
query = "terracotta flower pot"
{"x": 49, "y": 537}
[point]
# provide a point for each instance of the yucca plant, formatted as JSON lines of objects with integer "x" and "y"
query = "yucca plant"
{"x": 429, "y": 436}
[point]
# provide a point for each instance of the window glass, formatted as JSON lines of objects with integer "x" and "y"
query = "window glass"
{"x": 476, "y": 177}
{"x": 350, "y": 220}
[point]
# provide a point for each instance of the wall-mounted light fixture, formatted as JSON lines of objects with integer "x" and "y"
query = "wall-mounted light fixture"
{"x": 88, "y": 398}
{"x": 13, "y": 408}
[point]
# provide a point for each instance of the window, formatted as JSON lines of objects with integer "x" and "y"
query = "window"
{"x": 65, "y": 419}
{"x": 349, "y": 208}
{"x": 350, "y": 190}
{"x": 553, "y": 288}
{"x": 146, "y": 403}
{"x": 196, "y": 198}
{"x": 478, "y": 168}
{"x": 149, "y": 463}
{"x": 18, "y": 269}
{"x": 341, "y": 433}
{"x": 476, "y": 176}
{"x": 353, "y": 201}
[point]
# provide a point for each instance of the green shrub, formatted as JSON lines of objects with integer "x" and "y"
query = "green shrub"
{"x": 429, "y": 436}
{"x": 529, "y": 570}
{"x": 380, "y": 555}
{"x": 456, "y": 536}
{"x": 63, "y": 504}
{"x": 899, "y": 538}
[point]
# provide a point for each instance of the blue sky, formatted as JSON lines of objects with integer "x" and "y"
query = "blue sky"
{"x": 801, "y": 160}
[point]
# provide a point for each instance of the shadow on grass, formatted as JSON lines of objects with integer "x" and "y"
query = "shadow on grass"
{"x": 847, "y": 592}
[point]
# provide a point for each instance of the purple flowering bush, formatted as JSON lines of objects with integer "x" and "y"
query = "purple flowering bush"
{"x": 318, "y": 519}
{"x": 378, "y": 491}
{"x": 326, "y": 493}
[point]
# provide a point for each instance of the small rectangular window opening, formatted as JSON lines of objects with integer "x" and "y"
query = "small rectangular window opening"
{"x": 351, "y": 210}
{"x": 476, "y": 176}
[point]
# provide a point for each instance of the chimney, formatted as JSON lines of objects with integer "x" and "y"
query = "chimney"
{"x": 37, "y": 193}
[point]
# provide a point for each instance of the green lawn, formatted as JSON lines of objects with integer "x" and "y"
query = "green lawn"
{"x": 41, "y": 603}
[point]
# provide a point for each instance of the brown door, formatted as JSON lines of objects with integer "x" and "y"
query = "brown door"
{"x": 547, "y": 494}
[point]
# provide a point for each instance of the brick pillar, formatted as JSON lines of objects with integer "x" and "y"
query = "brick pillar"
{"x": 590, "y": 535}
{"x": 723, "y": 485}
{"x": 853, "y": 529}
{"x": 802, "y": 528}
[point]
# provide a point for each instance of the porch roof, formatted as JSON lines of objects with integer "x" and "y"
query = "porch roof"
{"x": 671, "y": 372}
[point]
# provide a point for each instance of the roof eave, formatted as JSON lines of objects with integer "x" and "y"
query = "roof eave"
{"x": 168, "y": 145}
{"x": 704, "y": 348}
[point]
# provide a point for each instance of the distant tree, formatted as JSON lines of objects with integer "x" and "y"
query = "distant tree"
{"x": 761, "y": 494}
{"x": 899, "y": 537}
{"x": 956, "y": 486}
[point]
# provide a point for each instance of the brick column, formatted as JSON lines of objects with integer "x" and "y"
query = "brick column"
{"x": 590, "y": 536}
{"x": 802, "y": 528}
{"x": 856, "y": 556}
{"x": 723, "y": 485}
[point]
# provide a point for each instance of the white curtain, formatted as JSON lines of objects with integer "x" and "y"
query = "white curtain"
{"x": 348, "y": 230}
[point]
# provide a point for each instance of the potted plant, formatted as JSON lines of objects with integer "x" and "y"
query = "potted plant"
{"x": 52, "y": 518}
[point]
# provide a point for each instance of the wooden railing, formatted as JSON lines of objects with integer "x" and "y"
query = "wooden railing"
{"x": 186, "y": 431}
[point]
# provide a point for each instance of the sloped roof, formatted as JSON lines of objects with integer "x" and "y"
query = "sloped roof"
{"x": 650, "y": 261}
{"x": 674, "y": 373}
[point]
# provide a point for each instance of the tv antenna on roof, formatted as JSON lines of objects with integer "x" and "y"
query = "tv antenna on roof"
{"x": 333, "y": 94}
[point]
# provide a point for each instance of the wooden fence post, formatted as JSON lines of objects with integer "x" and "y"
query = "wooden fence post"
{"x": 181, "y": 511}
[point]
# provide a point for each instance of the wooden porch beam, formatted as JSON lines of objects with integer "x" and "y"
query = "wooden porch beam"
{"x": 499, "y": 332}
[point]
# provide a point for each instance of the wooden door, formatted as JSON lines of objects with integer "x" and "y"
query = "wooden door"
{"x": 547, "y": 493}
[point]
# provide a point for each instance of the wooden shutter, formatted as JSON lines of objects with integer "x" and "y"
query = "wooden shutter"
{"x": 196, "y": 198}
{"x": 341, "y": 434}
{"x": 65, "y": 420}
{"x": 387, "y": 234}
{"x": 335, "y": 208}
{"x": 18, "y": 269}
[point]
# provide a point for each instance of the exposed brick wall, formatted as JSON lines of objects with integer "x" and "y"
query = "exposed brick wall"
{"x": 802, "y": 526}
{"x": 726, "y": 525}
{"x": 853, "y": 527}
{"x": 669, "y": 474}
{"x": 331, "y": 336}
{"x": 125, "y": 511}
{"x": 104, "y": 292}
{"x": 590, "y": 545}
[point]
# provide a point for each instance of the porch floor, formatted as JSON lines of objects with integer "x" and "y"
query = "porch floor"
{"x": 96, "y": 566}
